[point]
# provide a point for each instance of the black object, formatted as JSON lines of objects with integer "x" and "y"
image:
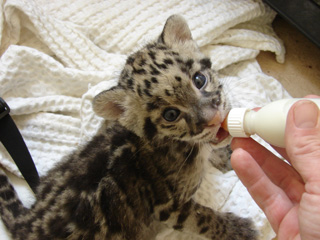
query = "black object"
{"x": 16, "y": 147}
{"x": 303, "y": 14}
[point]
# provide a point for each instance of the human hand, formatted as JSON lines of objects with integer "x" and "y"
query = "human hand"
{"x": 289, "y": 194}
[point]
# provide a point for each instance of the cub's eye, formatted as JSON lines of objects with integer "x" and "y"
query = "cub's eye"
{"x": 199, "y": 80}
{"x": 171, "y": 114}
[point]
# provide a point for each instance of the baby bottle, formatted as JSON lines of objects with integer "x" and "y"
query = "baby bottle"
{"x": 269, "y": 122}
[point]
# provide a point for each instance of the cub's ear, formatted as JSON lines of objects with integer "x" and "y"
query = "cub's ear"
{"x": 109, "y": 104}
{"x": 175, "y": 31}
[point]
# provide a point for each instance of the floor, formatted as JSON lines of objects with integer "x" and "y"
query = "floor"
{"x": 300, "y": 74}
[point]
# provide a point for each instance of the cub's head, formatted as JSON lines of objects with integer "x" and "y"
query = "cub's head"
{"x": 167, "y": 91}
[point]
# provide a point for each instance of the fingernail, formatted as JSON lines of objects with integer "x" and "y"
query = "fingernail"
{"x": 306, "y": 114}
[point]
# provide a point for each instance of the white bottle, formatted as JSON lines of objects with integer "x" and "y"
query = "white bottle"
{"x": 269, "y": 122}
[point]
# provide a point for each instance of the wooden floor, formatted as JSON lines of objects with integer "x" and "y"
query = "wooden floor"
{"x": 300, "y": 74}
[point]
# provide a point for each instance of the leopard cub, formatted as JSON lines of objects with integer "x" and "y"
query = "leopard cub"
{"x": 144, "y": 165}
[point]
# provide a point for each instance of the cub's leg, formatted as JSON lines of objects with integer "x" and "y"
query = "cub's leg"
{"x": 197, "y": 219}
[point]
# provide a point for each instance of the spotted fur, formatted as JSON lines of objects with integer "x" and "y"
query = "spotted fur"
{"x": 143, "y": 167}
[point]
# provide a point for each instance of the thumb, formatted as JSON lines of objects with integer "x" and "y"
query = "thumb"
{"x": 303, "y": 141}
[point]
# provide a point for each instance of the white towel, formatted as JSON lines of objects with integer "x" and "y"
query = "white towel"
{"x": 57, "y": 55}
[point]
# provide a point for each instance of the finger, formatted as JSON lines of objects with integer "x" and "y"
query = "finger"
{"x": 279, "y": 172}
{"x": 289, "y": 227}
{"x": 282, "y": 151}
{"x": 312, "y": 96}
{"x": 303, "y": 142}
{"x": 269, "y": 197}
{"x": 302, "y": 139}
{"x": 257, "y": 151}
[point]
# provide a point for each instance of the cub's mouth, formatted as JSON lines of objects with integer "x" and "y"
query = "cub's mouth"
{"x": 221, "y": 134}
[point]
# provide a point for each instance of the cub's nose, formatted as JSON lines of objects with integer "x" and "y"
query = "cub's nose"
{"x": 216, "y": 102}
